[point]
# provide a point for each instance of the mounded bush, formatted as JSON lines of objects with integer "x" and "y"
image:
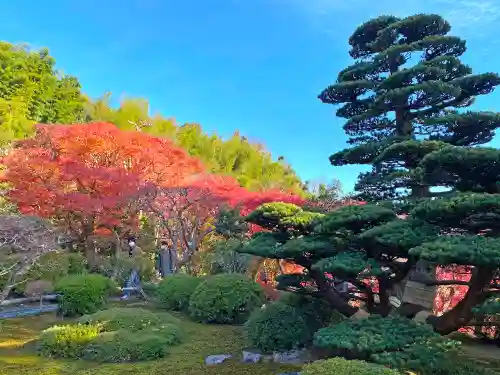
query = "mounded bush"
{"x": 83, "y": 294}
{"x": 316, "y": 311}
{"x": 66, "y": 341}
{"x": 288, "y": 323}
{"x": 341, "y": 366}
{"x": 225, "y": 299}
{"x": 131, "y": 319}
{"x": 393, "y": 341}
{"x": 277, "y": 327}
{"x": 114, "y": 335}
{"x": 127, "y": 346}
{"x": 174, "y": 291}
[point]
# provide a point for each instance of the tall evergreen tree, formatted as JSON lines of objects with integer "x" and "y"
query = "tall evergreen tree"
{"x": 407, "y": 84}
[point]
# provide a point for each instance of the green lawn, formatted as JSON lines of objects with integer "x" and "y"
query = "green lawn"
{"x": 18, "y": 357}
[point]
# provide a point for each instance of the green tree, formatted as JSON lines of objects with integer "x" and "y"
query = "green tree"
{"x": 31, "y": 91}
{"x": 355, "y": 245}
{"x": 407, "y": 83}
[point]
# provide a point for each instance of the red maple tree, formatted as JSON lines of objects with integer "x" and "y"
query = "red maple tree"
{"x": 89, "y": 177}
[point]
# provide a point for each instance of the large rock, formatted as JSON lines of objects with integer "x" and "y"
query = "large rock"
{"x": 216, "y": 359}
{"x": 251, "y": 357}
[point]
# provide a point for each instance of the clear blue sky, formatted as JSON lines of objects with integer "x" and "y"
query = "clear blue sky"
{"x": 252, "y": 65}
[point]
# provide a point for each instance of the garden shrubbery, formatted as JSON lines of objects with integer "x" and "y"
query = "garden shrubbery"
{"x": 66, "y": 341}
{"x": 83, "y": 294}
{"x": 114, "y": 335}
{"x": 289, "y": 323}
{"x": 126, "y": 346}
{"x": 225, "y": 299}
{"x": 277, "y": 327}
{"x": 174, "y": 292}
{"x": 136, "y": 319}
{"x": 341, "y": 366}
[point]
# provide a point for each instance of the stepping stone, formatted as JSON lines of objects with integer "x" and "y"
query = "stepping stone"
{"x": 290, "y": 357}
{"x": 216, "y": 359}
{"x": 251, "y": 357}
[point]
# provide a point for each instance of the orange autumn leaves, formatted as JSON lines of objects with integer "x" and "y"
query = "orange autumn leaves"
{"x": 93, "y": 176}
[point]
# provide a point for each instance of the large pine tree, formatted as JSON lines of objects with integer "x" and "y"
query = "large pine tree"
{"x": 407, "y": 83}
{"x": 407, "y": 122}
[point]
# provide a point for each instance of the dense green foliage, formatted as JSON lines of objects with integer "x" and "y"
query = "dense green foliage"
{"x": 401, "y": 120}
{"x": 401, "y": 98}
{"x": 289, "y": 323}
{"x": 31, "y": 90}
{"x": 136, "y": 319}
{"x": 174, "y": 291}
{"x": 83, "y": 294}
{"x": 114, "y": 335}
{"x": 340, "y": 366}
{"x": 66, "y": 341}
{"x": 277, "y": 327}
{"x": 127, "y": 346}
{"x": 225, "y": 299}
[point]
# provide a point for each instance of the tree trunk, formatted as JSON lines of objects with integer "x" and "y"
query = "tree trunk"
{"x": 331, "y": 295}
{"x": 462, "y": 313}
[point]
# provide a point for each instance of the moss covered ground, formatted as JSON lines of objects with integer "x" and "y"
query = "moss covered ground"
{"x": 18, "y": 357}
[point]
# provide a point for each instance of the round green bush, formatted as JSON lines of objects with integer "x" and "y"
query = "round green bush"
{"x": 225, "y": 299}
{"x": 341, "y": 366}
{"x": 127, "y": 346}
{"x": 131, "y": 319}
{"x": 277, "y": 327}
{"x": 83, "y": 294}
{"x": 174, "y": 292}
{"x": 317, "y": 312}
{"x": 66, "y": 341}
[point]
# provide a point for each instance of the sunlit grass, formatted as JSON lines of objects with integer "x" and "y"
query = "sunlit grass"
{"x": 17, "y": 358}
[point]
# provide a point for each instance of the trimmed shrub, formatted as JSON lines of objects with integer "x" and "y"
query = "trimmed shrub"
{"x": 66, "y": 341}
{"x": 394, "y": 341}
{"x": 289, "y": 323}
{"x": 174, "y": 292}
{"x": 317, "y": 312}
{"x": 114, "y": 335}
{"x": 225, "y": 299}
{"x": 341, "y": 366}
{"x": 83, "y": 294}
{"x": 277, "y": 327}
{"x": 127, "y": 346}
{"x": 131, "y": 319}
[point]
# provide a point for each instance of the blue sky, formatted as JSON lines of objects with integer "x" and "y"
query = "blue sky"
{"x": 252, "y": 65}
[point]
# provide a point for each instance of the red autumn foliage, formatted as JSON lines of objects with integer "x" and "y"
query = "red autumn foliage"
{"x": 90, "y": 176}
{"x": 188, "y": 211}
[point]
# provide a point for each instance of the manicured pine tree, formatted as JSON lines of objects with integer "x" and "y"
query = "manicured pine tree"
{"x": 359, "y": 243}
{"x": 407, "y": 84}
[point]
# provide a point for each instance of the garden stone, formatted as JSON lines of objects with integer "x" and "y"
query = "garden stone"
{"x": 290, "y": 357}
{"x": 216, "y": 359}
{"x": 251, "y": 357}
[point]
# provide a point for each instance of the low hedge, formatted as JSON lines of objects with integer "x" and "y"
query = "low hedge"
{"x": 225, "y": 299}
{"x": 126, "y": 346}
{"x": 114, "y": 335}
{"x": 174, "y": 291}
{"x": 83, "y": 294}
{"x": 341, "y": 366}
{"x": 66, "y": 341}
{"x": 131, "y": 319}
